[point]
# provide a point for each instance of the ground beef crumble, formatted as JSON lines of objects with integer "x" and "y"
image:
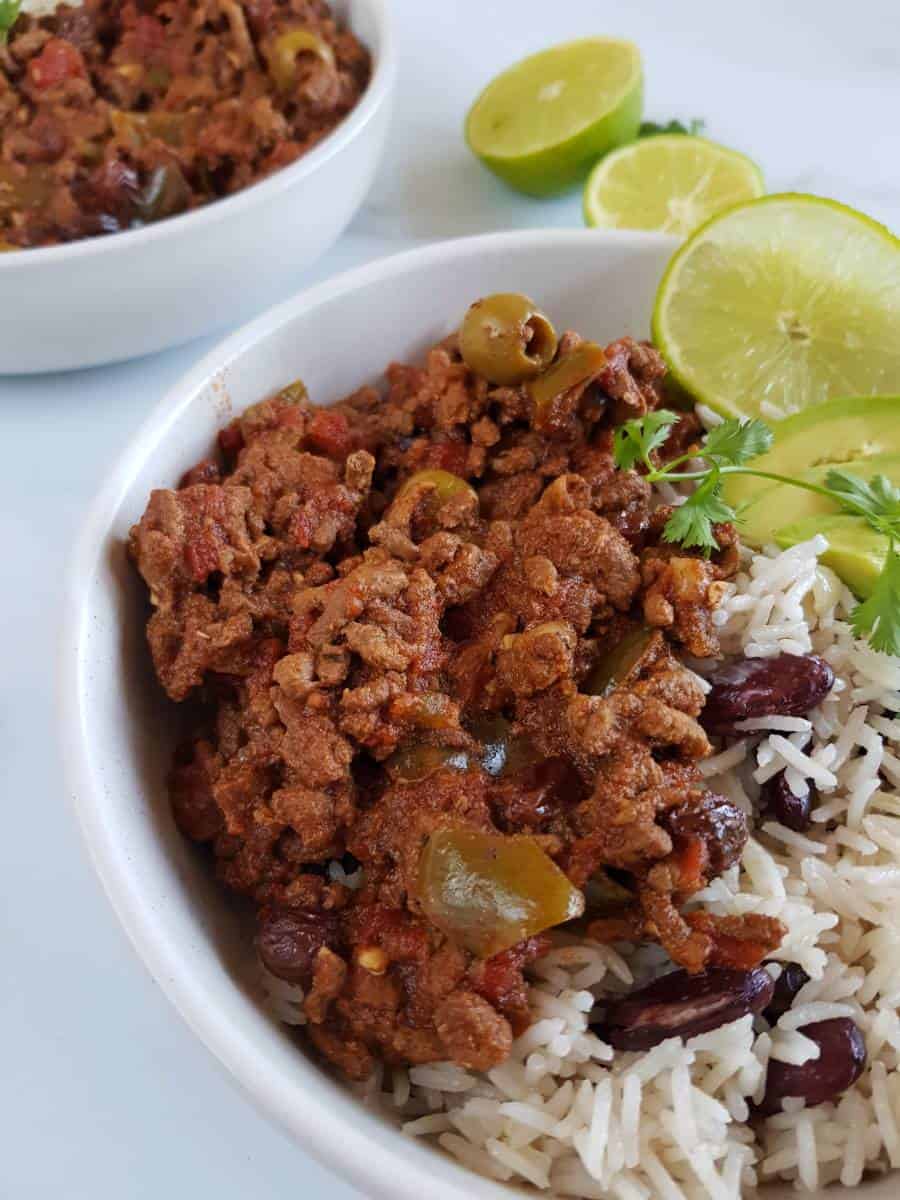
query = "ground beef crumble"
{"x": 333, "y": 612}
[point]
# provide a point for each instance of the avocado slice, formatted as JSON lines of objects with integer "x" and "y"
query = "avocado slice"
{"x": 855, "y": 551}
{"x": 836, "y": 433}
{"x": 761, "y": 516}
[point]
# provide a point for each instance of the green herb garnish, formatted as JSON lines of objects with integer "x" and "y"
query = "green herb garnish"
{"x": 9, "y": 11}
{"x": 726, "y": 449}
{"x": 653, "y": 129}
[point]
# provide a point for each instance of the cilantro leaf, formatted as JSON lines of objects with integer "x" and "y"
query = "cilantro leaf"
{"x": 636, "y": 439}
{"x": 877, "y": 499}
{"x": 653, "y": 129}
{"x": 9, "y": 11}
{"x": 878, "y": 618}
{"x": 734, "y": 442}
{"x": 692, "y": 523}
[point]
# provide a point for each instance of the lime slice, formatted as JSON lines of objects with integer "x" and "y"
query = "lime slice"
{"x": 779, "y": 304}
{"x": 672, "y": 183}
{"x": 545, "y": 121}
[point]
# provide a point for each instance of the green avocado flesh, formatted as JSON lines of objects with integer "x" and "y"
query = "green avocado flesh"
{"x": 855, "y": 551}
{"x": 837, "y": 433}
{"x": 759, "y": 519}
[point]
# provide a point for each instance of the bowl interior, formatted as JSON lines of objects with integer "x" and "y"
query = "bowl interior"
{"x": 119, "y": 732}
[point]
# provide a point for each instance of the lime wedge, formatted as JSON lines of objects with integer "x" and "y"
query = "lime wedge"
{"x": 779, "y": 304}
{"x": 672, "y": 183}
{"x": 541, "y": 124}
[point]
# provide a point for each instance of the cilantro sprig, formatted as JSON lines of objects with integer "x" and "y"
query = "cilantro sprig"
{"x": 726, "y": 450}
{"x": 9, "y": 12}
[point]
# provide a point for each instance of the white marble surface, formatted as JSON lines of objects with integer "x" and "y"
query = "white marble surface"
{"x": 105, "y": 1093}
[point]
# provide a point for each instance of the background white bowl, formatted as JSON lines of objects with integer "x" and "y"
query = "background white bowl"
{"x": 118, "y": 731}
{"x": 104, "y": 299}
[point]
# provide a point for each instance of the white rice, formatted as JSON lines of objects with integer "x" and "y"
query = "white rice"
{"x": 570, "y": 1117}
{"x": 43, "y": 8}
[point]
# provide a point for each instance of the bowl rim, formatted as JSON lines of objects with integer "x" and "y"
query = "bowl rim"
{"x": 378, "y": 90}
{"x": 378, "y": 1166}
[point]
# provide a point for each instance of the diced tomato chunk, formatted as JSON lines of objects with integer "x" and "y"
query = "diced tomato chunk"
{"x": 501, "y": 976}
{"x": 201, "y": 558}
{"x": 330, "y": 432}
{"x": 59, "y": 60}
{"x": 447, "y": 456}
{"x": 734, "y": 952}
{"x": 149, "y": 34}
{"x": 231, "y": 440}
{"x": 397, "y": 933}
{"x": 692, "y": 860}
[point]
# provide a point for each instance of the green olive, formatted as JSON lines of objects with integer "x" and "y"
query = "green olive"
{"x": 580, "y": 365}
{"x": 622, "y": 662}
{"x": 295, "y": 393}
{"x": 285, "y": 50}
{"x": 502, "y": 752}
{"x": 165, "y": 194}
{"x": 415, "y": 762}
{"x": 506, "y": 339}
{"x": 445, "y": 484}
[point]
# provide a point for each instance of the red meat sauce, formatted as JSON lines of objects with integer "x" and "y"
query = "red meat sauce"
{"x": 347, "y": 634}
{"x": 113, "y": 115}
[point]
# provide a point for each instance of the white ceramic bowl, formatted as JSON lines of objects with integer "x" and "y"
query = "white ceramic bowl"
{"x": 104, "y": 299}
{"x": 118, "y": 731}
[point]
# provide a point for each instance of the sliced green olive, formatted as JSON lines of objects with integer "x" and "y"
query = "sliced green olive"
{"x": 502, "y": 752}
{"x": 444, "y": 484}
{"x": 295, "y": 393}
{"x": 415, "y": 762}
{"x": 577, "y": 367}
{"x": 285, "y": 50}
{"x": 506, "y": 339}
{"x": 165, "y": 194}
{"x": 621, "y": 663}
{"x": 137, "y": 129}
{"x": 488, "y": 891}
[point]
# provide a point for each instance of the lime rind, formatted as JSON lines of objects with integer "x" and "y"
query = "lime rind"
{"x": 552, "y": 161}
{"x": 863, "y": 333}
{"x": 713, "y": 178}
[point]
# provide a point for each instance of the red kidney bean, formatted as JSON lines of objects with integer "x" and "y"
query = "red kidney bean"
{"x": 718, "y": 823}
{"x": 787, "y": 685}
{"x": 683, "y": 1005}
{"x": 842, "y": 1057}
{"x": 288, "y": 941}
{"x": 788, "y": 984}
{"x": 794, "y": 812}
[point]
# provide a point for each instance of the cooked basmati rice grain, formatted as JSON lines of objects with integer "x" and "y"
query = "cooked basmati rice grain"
{"x": 884, "y": 1113}
{"x": 807, "y": 1158}
{"x": 44, "y": 8}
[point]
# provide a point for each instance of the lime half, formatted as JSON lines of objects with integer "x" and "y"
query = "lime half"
{"x": 781, "y": 303}
{"x": 672, "y": 183}
{"x": 545, "y": 121}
